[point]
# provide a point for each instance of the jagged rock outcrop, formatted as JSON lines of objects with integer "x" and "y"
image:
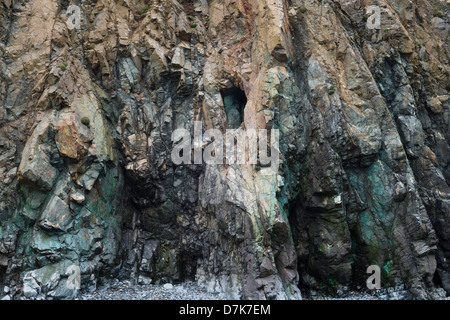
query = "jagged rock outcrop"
{"x": 87, "y": 115}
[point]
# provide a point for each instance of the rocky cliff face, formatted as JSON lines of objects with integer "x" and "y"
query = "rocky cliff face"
{"x": 86, "y": 121}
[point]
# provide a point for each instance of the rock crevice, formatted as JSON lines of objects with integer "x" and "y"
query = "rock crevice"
{"x": 87, "y": 113}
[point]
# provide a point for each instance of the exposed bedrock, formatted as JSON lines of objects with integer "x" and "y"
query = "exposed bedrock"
{"x": 87, "y": 112}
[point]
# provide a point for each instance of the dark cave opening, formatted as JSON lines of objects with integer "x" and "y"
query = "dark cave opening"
{"x": 64, "y": 4}
{"x": 2, "y": 275}
{"x": 234, "y": 101}
{"x": 313, "y": 267}
{"x": 187, "y": 266}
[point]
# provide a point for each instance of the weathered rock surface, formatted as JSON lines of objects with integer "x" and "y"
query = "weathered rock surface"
{"x": 86, "y": 120}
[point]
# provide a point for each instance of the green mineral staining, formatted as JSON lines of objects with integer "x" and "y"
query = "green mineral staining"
{"x": 85, "y": 121}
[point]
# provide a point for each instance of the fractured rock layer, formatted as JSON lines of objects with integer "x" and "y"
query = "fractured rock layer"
{"x": 86, "y": 120}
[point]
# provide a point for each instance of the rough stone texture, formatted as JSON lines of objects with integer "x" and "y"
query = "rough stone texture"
{"x": 87, "y": 115}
